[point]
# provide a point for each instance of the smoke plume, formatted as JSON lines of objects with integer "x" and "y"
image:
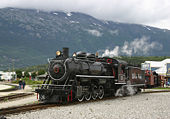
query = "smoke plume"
{"x": 139, "y": 46}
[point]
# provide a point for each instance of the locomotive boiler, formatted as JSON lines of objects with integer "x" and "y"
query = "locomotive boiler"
{"x": 85, "y": 76}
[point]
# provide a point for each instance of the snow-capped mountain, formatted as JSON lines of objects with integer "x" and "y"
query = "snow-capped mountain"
{"x": 29, "y": 37}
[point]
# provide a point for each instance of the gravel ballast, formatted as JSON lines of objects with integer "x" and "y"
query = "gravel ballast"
{"x": 141, "y": 106}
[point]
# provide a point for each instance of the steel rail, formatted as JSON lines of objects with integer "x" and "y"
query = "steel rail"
{"x": 15, "y": 96}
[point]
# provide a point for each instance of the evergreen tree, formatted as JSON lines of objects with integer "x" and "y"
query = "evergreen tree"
{"x": 26, "y": 74}
{"x": 41, "y": 71}
{"x": 34, "y": 75}
{"x": 19, "y": 73}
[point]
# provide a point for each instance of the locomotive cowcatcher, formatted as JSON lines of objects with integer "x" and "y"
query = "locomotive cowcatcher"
{"x": 86, "y": 76}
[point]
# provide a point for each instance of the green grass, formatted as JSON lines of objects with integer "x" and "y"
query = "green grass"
{"x": 6, "y": 99}
{"x": 167, "y": 88}
{"x": 11, "y": 87}
{"x": 28, "y": 81}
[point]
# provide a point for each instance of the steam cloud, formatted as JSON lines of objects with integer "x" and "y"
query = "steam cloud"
{"x": 140, "y": 46}
{"x": 128, "y": 90}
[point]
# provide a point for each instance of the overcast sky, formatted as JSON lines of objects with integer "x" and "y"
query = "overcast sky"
{"x": 149, "y": 12}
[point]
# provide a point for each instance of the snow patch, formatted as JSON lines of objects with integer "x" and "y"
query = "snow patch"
{"x": 95, "y": 32}
{"x": 164, "y": 30}
{"x": 38, "y": 11}
{"x": 74, "y": 22}
{"x": 147, "y": 27}
{"x": 105, "y": 22}
{"x": 41, "y": 19}
{"x": 114, "y": 32}
{"x": 69, "y": 14}
{"x": 12, "y": 9}
{"x": 55, "y": 13}
{"x": 96, "y": 24}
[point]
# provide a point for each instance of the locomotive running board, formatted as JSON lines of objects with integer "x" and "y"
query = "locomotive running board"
{"x": 120, "y": 83}
{"x": 89, "y": 76}
{"x": 137, "y": 85}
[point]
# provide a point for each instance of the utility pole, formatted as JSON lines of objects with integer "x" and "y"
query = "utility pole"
{"x": 9, "y": 68}
{"x": 13, "y": 74}
{"x": 13, "y": 65}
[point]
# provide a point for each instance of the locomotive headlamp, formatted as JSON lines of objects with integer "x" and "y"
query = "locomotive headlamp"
{"x": 74, "y": 55}
{"x": 58, "y": 53}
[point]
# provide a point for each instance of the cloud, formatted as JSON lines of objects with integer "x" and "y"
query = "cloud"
{"x": 149, "y": 12}
{"x": 139, "y": 46}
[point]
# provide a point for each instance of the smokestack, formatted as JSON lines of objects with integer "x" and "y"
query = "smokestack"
{"x": 65, "y": 52}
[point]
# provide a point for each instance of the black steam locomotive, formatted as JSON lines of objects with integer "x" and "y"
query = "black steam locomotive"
{"x": 87, "y": 76}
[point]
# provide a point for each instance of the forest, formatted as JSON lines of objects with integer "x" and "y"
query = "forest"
{"x": 134, "y": 61}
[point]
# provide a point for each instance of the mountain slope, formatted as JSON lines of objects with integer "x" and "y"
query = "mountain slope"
{"x": 29, "y": 37}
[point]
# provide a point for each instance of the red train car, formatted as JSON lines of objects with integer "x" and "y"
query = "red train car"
{"x": 152, "y": 79}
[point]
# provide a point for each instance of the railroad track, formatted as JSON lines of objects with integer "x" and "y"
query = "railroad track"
{"x": 38, "y": 106}
{"x": 24, "y": 108}
{"x": 15, "y": 96}
{"x": 156, "y": 91}
{"x": 10, "y": 89}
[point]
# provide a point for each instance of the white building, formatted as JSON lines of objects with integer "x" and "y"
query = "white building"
{"x": 7, "y": 75}
{"x": 160, "y": 67}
